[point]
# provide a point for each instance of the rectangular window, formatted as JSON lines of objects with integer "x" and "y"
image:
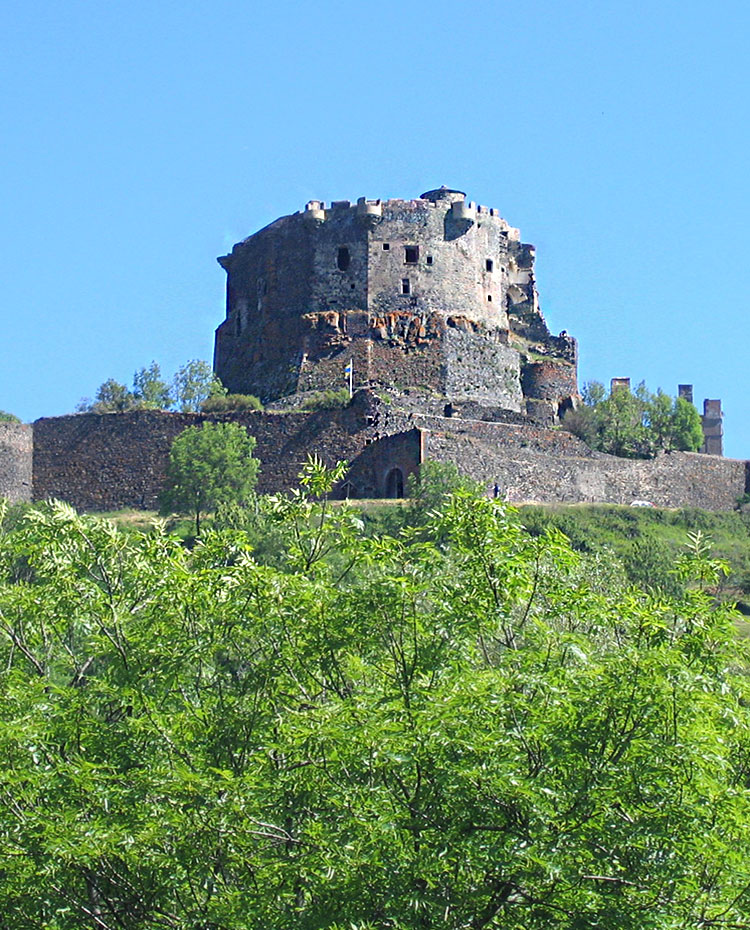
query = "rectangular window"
{"x": 429, "y": 259}
{"x": 488, "y": 264}
{"x": 405, "y": 286}
{"x": 386, "y": 246}
{"x": 411, "y": 254}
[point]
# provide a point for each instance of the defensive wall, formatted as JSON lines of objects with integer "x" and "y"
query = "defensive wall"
{"x": 107, "y": 461}
{"x": 15, "y": 461}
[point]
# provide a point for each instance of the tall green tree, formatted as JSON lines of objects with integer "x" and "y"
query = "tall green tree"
{"x": 209, "y": 464}
{"x": 634, "y": 424}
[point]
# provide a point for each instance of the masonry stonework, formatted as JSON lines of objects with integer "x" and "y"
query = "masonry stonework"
{"x": 16, "y": 440}
{"x": 436, "y": 293}
{"x": 434, "y": 302}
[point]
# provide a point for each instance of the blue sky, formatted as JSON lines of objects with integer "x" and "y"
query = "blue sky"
{"x": 141, "y": 140}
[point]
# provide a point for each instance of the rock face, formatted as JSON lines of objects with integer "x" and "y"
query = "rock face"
{"x": 435, "y": 293}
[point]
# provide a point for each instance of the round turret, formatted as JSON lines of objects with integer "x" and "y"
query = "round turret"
{"x": 443, "y": 193}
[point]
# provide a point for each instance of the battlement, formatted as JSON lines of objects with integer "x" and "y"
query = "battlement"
{"x": 440, "y": 199}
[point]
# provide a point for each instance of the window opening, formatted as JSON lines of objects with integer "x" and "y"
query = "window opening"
{"x": 386, "y": 246}
{"x": 429, "y": 259}
{"x": 394, "y": 483}
{"x": 239, "y": 324}
{"x": 352, "y": 286}
{"x": 411, "y": 254}
{"x": 489, "y": 298}
{"x": 342, "y": 260}
{"x": 405, "y": 286}
{"x": 488, "y": 264}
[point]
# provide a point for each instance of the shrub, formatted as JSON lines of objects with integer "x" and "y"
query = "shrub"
{"x": 327, "y": 400}
{"x": 225, "y": 403}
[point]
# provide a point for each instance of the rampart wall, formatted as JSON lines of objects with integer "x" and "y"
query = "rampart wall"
{"x": 15, "y": 461}
{"x": 107, "y": 461}
{"x": 103, "y": 462}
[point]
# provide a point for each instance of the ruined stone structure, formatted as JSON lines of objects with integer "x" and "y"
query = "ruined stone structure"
{"x": 435, "y": 294}
{"x": 433, "y": 301}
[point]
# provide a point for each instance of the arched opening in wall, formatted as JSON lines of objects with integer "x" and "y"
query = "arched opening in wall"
{"x": 394, "y": 483}
{"x": 343, "y": 259}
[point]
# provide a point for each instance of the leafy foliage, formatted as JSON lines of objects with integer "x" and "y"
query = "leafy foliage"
{"x": 219, "y": 403}
{"x": 209, "y": 464}
{"x": 327, "y": 400}
{"x": 191, "y": 386}
{"x": 149, "y": 391}
{"x": 634, "y": 424}
{"x": 6, "y": 417}
{"x": 477, "y": 730}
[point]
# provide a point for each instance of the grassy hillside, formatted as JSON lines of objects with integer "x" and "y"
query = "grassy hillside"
{"x": 647, "y": 540}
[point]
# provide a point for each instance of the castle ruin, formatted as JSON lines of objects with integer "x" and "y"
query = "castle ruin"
{"x": 432, "y": 303}
{"x": 434, "y": 295}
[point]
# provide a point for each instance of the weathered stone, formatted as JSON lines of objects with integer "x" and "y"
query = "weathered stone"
{"x": 416, "y": 293}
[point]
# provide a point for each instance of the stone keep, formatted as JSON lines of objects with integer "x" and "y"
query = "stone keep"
{"x": 435, "y": 294}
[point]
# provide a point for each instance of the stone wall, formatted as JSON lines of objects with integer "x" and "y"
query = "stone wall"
{"x": 102, "y": 462}
{"x": 15, "y": 461}
{"x": 109, "y": 461}
{"x": 534, "y": 468}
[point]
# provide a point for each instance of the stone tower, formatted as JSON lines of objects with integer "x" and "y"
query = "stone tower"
{"x": 435, "y": 294}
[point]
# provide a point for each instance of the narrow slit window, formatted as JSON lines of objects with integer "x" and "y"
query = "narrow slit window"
{"x": 411, "y": 254}
{"x": 429, "y": 259}
{"x": 405, "y": 286}
{"x": 489, "y": 265}
{"x": 489, "y": 298}
{"x": 342, "y": 259}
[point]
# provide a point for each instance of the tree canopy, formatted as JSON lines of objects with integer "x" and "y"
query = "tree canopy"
{"x": 209, "y": 464}
{"x": 635, "y": 424}
{"x": 193, "y": 384}
{"x": 476, "y": 729}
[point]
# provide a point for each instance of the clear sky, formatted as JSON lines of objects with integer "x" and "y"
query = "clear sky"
{"x": 141, "y": 140}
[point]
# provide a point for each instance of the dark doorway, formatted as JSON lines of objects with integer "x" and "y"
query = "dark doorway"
{"x": 394, "y": 483}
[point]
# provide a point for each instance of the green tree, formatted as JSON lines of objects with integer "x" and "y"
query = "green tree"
{"x": 149, "y": 391}
{"x": 593, "y": 393}
{"x": 6, "y": 417}
{"x": 620, "y": 423}
{"x": 483, "y": 731}
{"x": 687, "y": 427}
{"x": 673, "y": 423}
{"x": 209, "y": 464}
{"x": 634, "y": 424}
{"x": 193, "y": 384}
{"x": 111, "y": 397}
